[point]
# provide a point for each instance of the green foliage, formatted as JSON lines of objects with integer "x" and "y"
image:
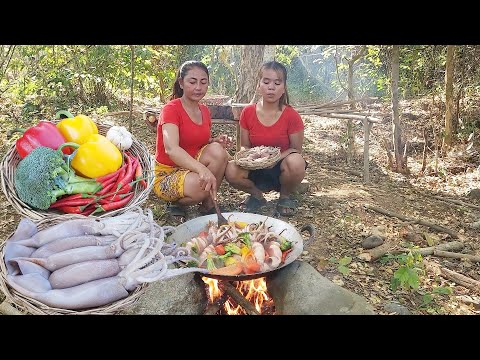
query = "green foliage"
{"x": 407, "y": 274}
{"x": 342, "y": 264}
{"x": 429, "y": 303}
{"x": 44, "y": 78}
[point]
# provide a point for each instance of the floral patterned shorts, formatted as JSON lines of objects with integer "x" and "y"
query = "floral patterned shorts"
{"x": 170, "y": 180}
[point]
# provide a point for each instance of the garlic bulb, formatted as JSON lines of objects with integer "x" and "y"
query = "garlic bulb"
{"x": 120, "y": 137}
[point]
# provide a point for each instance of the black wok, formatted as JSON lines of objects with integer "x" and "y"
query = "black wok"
{"x": 191, "y": 228}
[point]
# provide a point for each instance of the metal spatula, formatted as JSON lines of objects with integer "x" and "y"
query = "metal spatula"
{"x": 221, "y": 218}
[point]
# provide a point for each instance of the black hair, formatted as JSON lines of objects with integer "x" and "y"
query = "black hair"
{"x": 177, "y": 91}
{"x": 279, "y": 68}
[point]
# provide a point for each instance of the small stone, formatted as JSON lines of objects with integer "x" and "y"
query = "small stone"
{"x": 372, "y": 242}
{"x": 303, "y": 187}
{"x": 397, "y": 309}
{"x": 378, "y": 231}
{"x": 474, "y": 194}
{"x": 475, "y": 225}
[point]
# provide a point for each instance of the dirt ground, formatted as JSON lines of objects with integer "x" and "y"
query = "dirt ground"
{"x": 335, "y": 203}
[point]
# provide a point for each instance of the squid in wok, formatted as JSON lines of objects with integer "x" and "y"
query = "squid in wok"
{"x": 238, "y": 248}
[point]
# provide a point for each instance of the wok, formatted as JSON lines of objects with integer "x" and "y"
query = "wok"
{"x": 191, "y": 228}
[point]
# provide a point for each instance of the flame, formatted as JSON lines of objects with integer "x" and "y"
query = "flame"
{"x": 254, "y": 291}
{"x": 213, "y": 289}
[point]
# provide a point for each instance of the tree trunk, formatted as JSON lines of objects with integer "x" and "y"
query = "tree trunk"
{"x": 269, "y": 53}
{"x": 449, "y": 70}
{"x": 251, "y": 60}
{"x": 398, "y": 144}
{"x": 132, "y": 62}
{"x": 351, "y": 96}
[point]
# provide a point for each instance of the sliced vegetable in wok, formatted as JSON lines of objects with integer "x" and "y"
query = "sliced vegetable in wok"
{"x": 239, "y": 248}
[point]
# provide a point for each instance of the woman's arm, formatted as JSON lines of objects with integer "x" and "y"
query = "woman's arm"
{"x": 177, "y": 154}
{"x": 244, "y": 139}
{"x": 296, "y": 144}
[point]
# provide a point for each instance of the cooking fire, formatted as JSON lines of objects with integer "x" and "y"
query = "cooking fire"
{"x": 249, "y": 297}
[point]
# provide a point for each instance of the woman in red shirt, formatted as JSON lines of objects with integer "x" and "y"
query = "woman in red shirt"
{"x": 190, "y": 165}
{"x": 271, "y": 122}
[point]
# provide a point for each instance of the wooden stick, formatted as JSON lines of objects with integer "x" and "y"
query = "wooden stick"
{"x": 239, "y": 298}
{"x": 453, "y": 255}
{"x": 451, "y": 245}
{"x": 354, "y": 117}
{"x": 389, "y": 247}
{"x": 457, "y": 202}
{"x": 378, "y": 252}
{"x": 353, "y": 172}
{"x": 461, "y": 279}
{"x": 214, "y": 307}
{"x": 439, "y": 228}
{"x": 367, "y": 125}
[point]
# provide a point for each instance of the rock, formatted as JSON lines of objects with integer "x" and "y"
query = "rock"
{"x": 378, "y": 231}
{"x": 303, "y": 187}
{"x": 475, "y": 225}
{"x": 372, "y": 242}
{"x": 397, "y": 309}
{"x": 180, "y": 295}
{"x": 474, "y": 194}
{"x": 299, "y": 289}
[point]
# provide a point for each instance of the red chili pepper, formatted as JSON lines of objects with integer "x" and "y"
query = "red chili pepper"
{"x": 106, "y": 189}
{"x": 139, "y": 175}
{"x": 112, "y": 198}
{"x": 88, "y": 210}
{"x": 71, "y": 209}
{"x": 44, "y": 133}
{"x": 114, "y": 174}
{"x": 72, "y": 202}
{"x": 284, "y": 254}
{"x": 116, "y": 204}
{"x": 123, "y": 183}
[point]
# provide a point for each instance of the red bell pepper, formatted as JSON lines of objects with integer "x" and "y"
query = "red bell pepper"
{"x": 44, "y": 133}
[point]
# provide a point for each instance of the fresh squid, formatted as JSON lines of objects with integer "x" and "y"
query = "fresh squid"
{"x": 85, "y": 263}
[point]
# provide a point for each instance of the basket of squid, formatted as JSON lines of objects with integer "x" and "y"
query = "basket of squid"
{"x": 94, "y": 199}
{"x": 258, "y": 157}
{"x": 74, "y": 264}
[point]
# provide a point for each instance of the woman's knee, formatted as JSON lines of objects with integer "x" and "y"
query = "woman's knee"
{"x": 192, "y": 188}
{"x": 293, "y": 164}
{"x": 233, "y": 172}
{"x": 216, "y": 152}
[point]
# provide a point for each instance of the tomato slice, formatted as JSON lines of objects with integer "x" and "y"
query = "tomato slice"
{"x": 220, "y": 249}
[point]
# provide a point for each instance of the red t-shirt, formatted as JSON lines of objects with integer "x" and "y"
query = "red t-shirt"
{"x": 192, "y": 137}
{"x": 277, "y": 134}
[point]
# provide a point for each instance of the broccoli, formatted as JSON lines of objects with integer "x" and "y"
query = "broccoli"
{"x": 285, "y": 244}
{"x": 43, "y": 176}
{"x": 245, "y": 238}
{"x": 232, "y": 248}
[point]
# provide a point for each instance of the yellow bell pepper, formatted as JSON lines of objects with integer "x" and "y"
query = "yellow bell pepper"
{"x": 77, "y": 129}
{"x": 97, "y": 156}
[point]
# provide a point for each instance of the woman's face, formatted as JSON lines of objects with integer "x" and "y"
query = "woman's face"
{"x": 195, "y": 84}
{"x": 272, "y": 85}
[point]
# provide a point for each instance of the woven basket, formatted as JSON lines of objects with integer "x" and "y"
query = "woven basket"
{"x": 261, "y": 163}
{"x": 12, "y": 158}
{"x": 31, "y": 306}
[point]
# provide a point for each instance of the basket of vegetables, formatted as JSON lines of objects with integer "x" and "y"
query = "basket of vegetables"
{"x": 76, "y": 166}
{"x": 258, "y": 157}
